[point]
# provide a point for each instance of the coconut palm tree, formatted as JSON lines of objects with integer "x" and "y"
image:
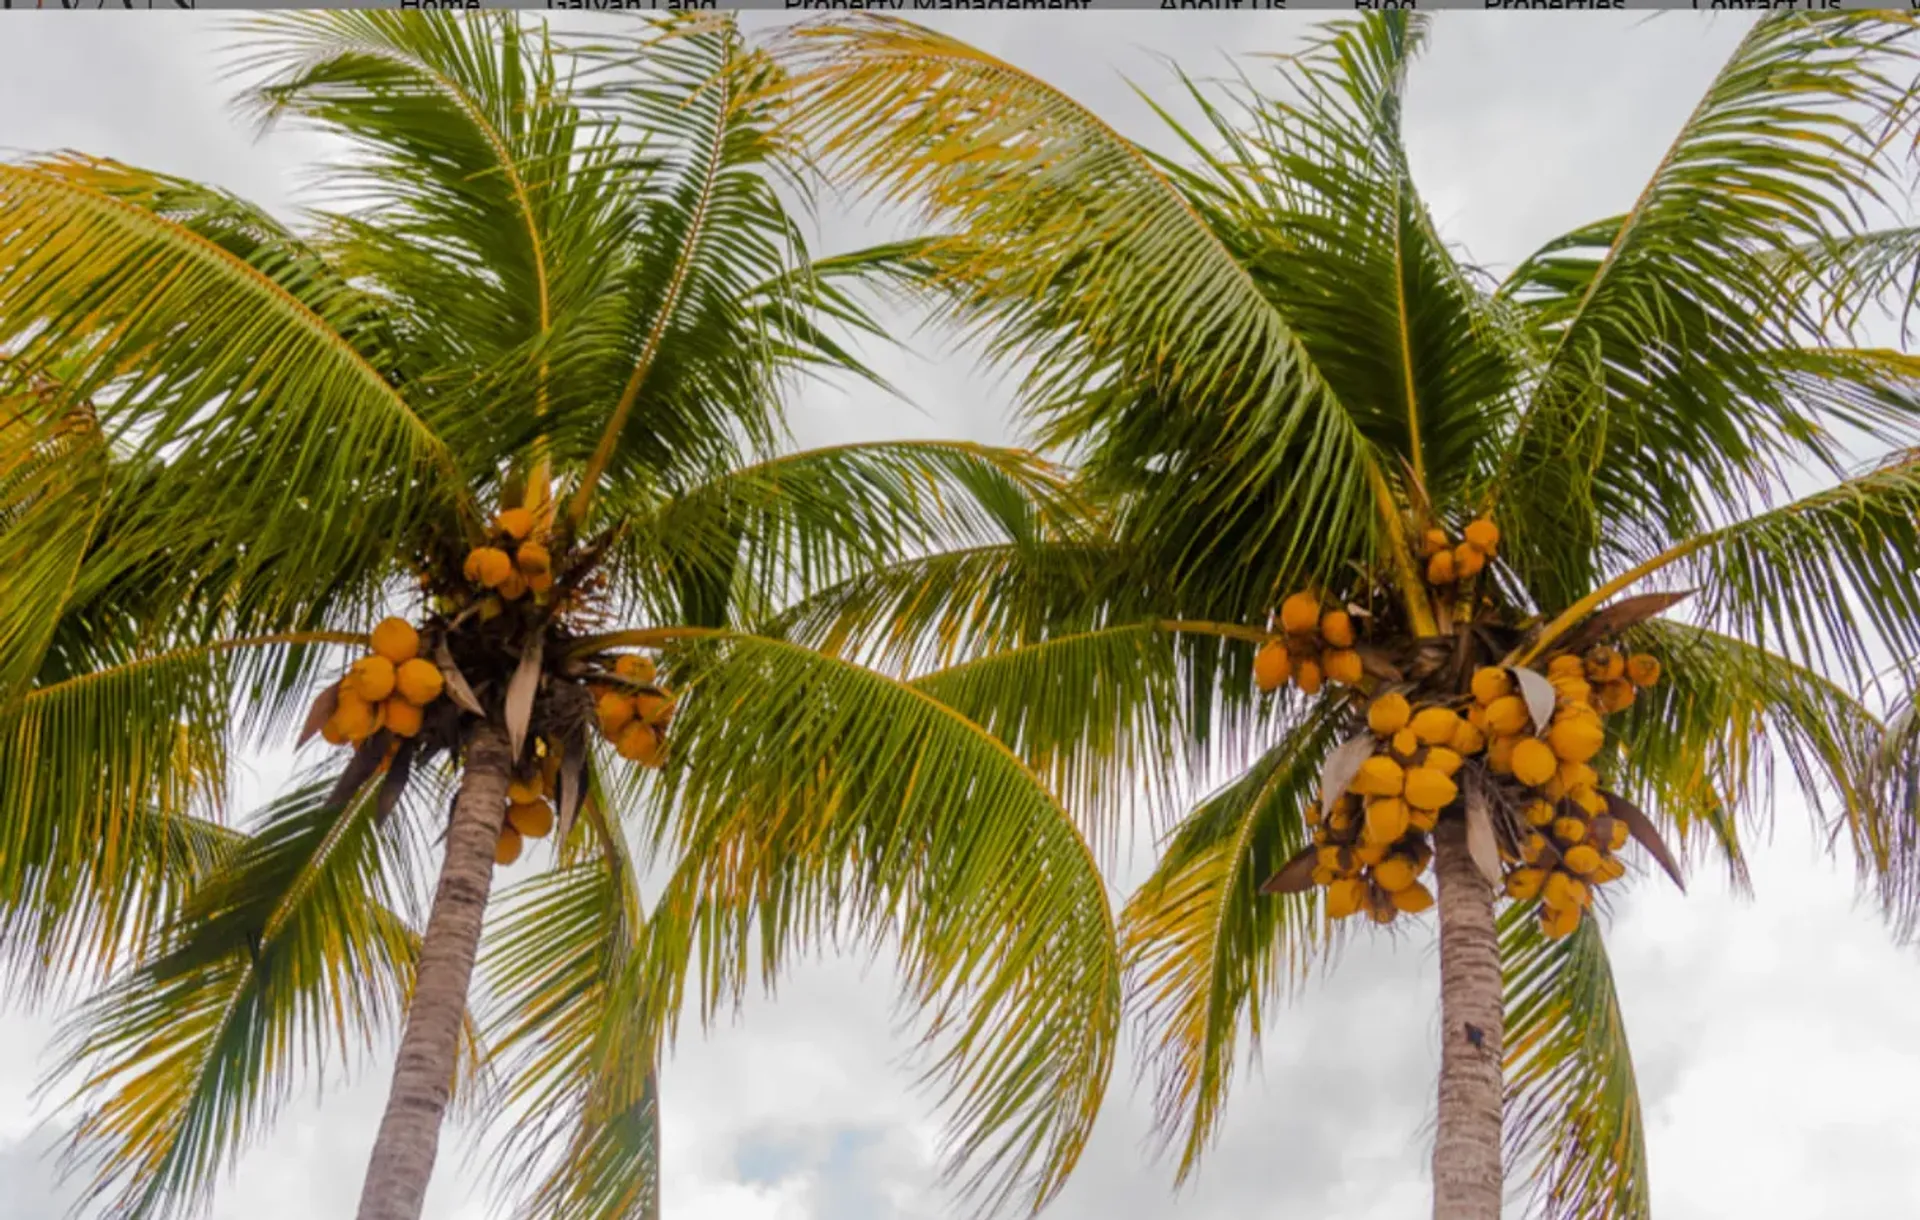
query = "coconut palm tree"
{"x": 1449, "y": 522}
{"x": 497, "y": 434}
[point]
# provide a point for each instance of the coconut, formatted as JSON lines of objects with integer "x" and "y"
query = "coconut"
{"x": 1343, "y": 666}
{"x": 1413, "y": 899}
{"x": 1378, "y": 776}
{"x": 1491, "y": 682}
{"x": 1642, "y": 670}
{"x": 1345, "y": 897}
{"x": 1440, "y": 569}
{"x": 1533, "y": 762}
{"x": 395, "y": 639}
{"x": 615, "y": 711}
{"x": 1336, "y": 628}
{"x": 1306, "y": 676}
{"x": 419, "y": 681}
{"x": 506, "y": 849}
{"x": 515, "y": 523}
{"x": 372, "y": 678}
{"x": 1557, "y": 924}
{"x": 402, "y": 719}
{"x": 1387, "y": 819}
{"x": 1483, "y": 535}
{"x": 1443, "y": 760}
{"x": 1271, "y": 666}
{"x": 1428, "y": 788}
{"x": 1434, "y": 725}
{"x": 1396, "y": 873}
{"x": 635, "y": 668}
{"x": 1508, "y": 715}
{"x": 1524, "y": 883}
{"x": 1467, "y": 561}
{"x": 489, "y": 566}
{"x": 1467, "y": 739}
{"x": 1582, "y": 859}
{"x": 532, "y": 819}
{"x": 1300, "y": 614}
{"x": 1389, "y": 714}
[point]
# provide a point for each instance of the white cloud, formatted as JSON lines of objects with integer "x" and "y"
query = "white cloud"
{"x": 1770, "y": 1036}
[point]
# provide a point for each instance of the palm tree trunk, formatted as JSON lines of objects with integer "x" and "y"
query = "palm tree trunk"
{"x": 409, "y": 1138}
{"x": 1466, "y": 1147}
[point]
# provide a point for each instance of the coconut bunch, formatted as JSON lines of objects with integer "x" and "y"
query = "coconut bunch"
{"x": 1371, "y": 845}
{"x": 1568, "y": 839}
{"x": 1449, "y": 562}
{"x": 531, "y": 796}
{"x": 389, "y": 688}
{"x": 514, "y": 560}
{"x": 1316, "y": 647}
{"x": 634, "y": 711}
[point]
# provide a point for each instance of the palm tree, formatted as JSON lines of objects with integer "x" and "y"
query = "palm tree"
{"x": 1290, "y": 395}
{"x": 508, "y": 418}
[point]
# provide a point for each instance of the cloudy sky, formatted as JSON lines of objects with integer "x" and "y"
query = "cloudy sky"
{"x": 1773, "y": 1037}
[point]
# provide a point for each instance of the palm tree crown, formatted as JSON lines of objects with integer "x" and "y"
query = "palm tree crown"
{"x": 515, "y": 398}
{"x": 1277, "y": 377}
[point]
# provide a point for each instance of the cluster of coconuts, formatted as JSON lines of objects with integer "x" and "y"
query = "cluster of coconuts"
{"x": 1571, "y": 842}
{"x": 1449, "y": 562}
{"x": 530, "y": 797}
{"x": 513, "y": 562}
{"x": 389, "y": 688}
{"x": 635, "y": 721}
{"x": 1372, "y": 845}
{"x": 1317, "y": 647}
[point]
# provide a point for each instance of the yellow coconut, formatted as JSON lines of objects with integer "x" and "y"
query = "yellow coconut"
{"x": 1370, "y": 854}
{"x": 635, "y": 667}
{"x": 1467, "y": 739}
{"x": 1524, "y": 883}
{"x": 1339, "y": 859}
{"x": 1483, "y": 534}
{"x": 1533, "y": 847}
{"x": 1533, "y": 761}
{"x": 1424, "y": 820}
{"x": 1435, "y": 725}
{"x": 1427, "y": 788}
{"x": 1559, "y": 890}
{"x": 1604, "y": 664}
{"x": 643, "y": 744}
{"x": 524, "y": 791}
{"x": 1387, "y": 819}
{"x": 1340, "y": 821}
{"x": 489, "y": 566}
{"x": 1336, "y": 628}
{"x": 506, "y": 849}
{"x": 332, "y": 733}
{"x": 1300, "y": 614}
{"x": 515, "y": 523}
{"x": 1306, "y": 675}
{"x": 1345, "y": 897}
{"x": 1582, "y": 859}
{"x": 372, "y": 678}
{"x": 514, "y": 587}
{"x": 1617, "y": 837}
{"x": 1323, "y": 875}
{"x": 1566, "y": 665}
{"x": 1467, "y": 561}
{"x": 1413, "y": 899}
{"x": 395, "y": 639}
{"x": 1642, "y": 670}
{"x": 1500, "y": 755}
{"x": 1589, "y": 799}
{"x": 1395, "y": 873}
{"x": 1569, "y": 829}
{"x": 1538, "y": 813}
{"x": 419, "y": 681}
{"x": 615, "y": 712}
{"x": 1490, "y": 683}
{"x": 1389, "y": 714}
{"x": 1573, "y": 690}
{"x": 402, "y": 719}
{"x": 1508, "y": 715}
{"x": 1378, "y": 776}
{"x": 533, "y": 559}
{"x": 1613, "y": 697}
{"x": 354, "y": 715}
{"x": 533, "y": 819}
{"x": 1405, "y": 744}
{"x": 1612, "y": 868}
{"x": 1559, "y": 923}
{"x": 1443, "y": 760}
{"x": 1343, "y": 666}
{"x": 1271, "y": 666}
{"x": 652, "y": 708}
{"x": 1440, "y": 569}
{"x": 1435, "y": 542}
{"x": 1577, "y": 775}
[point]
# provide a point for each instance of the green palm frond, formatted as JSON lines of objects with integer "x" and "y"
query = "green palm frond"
{"x": 1658, "y": 409}
{"x": 803, "y": 521}
{"x": 1205, "y": 951}
{"x": 1699, "y": 752}
{"x": 100, "y": 767}
{"x": 286, "y": 957}
{"x": 566, "y": 964}
{"x": 876, "y": 808}
{"x": 1573, "y": 1118}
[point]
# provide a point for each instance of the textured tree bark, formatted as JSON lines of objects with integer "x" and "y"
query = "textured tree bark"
{"x": 409, "y": 1138}
{"x": 1466, "y": 1147}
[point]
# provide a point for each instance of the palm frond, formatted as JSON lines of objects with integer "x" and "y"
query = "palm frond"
{"x": 566, "y": 964}
{"x": 284, "y": 958}
{"x": 1205, "y": 950}
{"x": 877, "y": 808}
{"x": 1573, "y": 1118}
{"x": 1658, "y": 409}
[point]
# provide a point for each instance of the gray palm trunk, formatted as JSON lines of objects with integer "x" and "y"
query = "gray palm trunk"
{"x": 1466, "y": 1148}
{"x": 409, "y": 1138}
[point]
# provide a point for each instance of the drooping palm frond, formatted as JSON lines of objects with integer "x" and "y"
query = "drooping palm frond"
{"x": 287, "y": 956}
{"x": 101, "y": 775}
{"x": 567, "y": 967}
{"x": 875, "y": 807}
{"x": 1205, "y": 951}
{"x": 1573, "y": 1118}
{"x": 1659, "y": 409}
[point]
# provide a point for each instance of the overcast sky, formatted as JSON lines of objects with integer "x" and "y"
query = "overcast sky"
{"x": 1774, "y": 1039}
